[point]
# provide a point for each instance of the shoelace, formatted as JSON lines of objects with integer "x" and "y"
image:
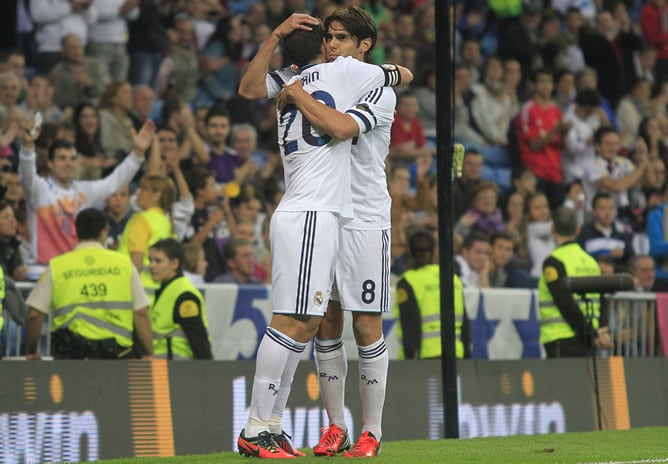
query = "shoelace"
{"x": 366, "y": 439}
{"x": 265, "y": 440}
{"x": 330, "y": 435}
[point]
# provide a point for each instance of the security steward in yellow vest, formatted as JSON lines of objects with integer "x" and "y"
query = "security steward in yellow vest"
{"x": 178, "y": 314}
{"x": 418, "y": 303}
{"x": 566, "y": 328}
{"x": 95, "y": 298}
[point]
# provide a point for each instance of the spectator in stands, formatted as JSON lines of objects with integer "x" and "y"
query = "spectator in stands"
{"x": 540, "y": 129}
{"x": 644, "y": 63}
{"x": 464, "y": 131}
{"x": 484, "y": 216}
{"x": 146, "y": 43}
{"x": 566, "y": 330}
{"x": 238, "y": 256}
{"x": 572, "y": 57}
{"x": 10, "y": 91}
{"x": 408, "y": 142}
{"x": 89, "y": 144}
{"x": 524, "y": 181}
{"x": 501, "y": 253}
{"x": 109, "y": 35}
{"x": 243, "y": 138}
{"x": 650, "y": 131}
{"x": 469, "y": 56}
{"x": 464, "y": 186}
{"x": 564, "y": 89}
{"x": 513, "y": 215}
{"x": 512, "y": 78}
{"x": 178, "y": 73}
{"x": 178, "y": 117}
{"x": 155, "y": 196}
{"x": 658, "y": 237}
{"x": 116, "y": 123}
{"x": 54, "y": 202}
{"x": 15, "y": 61}
{"x": 221, "y": 160}
{"x": 142, "y": 103}
{"x": 246, "y": 230}
{"x": 644, "y": 274}
{"x": 77, "y": 78}
{"x": 40, "y": 98}
{"x": 210, "y": 223}
{"x": 601, "y": 237}
{"x": 54, "y": 20}
{"x": 609, "y": 171}
{"x": 588, "y": 79}
{"x": 178, "y": 314}
{"x": 417, "y": 304}
{"x": 539, "y": 239}
{"x": 10, "y": 253}
{"x": 491, "y": 108}
{"x": 118, "y": 211}
{"x": 90, "y": 317}
{"x": 585, "y": 117}
{"x": 632, "y": 109}
{"x": 194, "y": 263}
{"x": 654, "y": 31}
{"x": 472, "y": 261}
{"x": 426, "y": 95}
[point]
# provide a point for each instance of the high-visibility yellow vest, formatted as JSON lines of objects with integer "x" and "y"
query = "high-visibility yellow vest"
{"x": 161, "y": 227}
{"x": 578, "y": 263}
{"x": 162, "y": 320}
{"x": 506, "y": 8}
{"x": 92, "y": 294}
{"x": 426, "y": 287}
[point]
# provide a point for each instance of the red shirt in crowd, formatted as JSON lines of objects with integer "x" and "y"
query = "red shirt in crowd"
{"x": 533, "y": 122}
{"x": 399, "y": 135}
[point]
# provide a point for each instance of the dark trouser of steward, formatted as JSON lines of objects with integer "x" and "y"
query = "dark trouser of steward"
{"x": 65, "y": 344}
{"x": 572, "y": 347}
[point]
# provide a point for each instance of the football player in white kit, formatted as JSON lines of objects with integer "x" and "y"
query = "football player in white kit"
{"x": 363, "y": 263}
{"x": 304, "y": 229}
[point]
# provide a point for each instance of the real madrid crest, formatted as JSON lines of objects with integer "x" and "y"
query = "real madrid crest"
{"x": 318, "y": 299}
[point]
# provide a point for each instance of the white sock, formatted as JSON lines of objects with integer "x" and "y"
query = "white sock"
{"x": 373, "y": 363}
{"x": 332, "y": 367}
{"x": 275, "y": 423}
{"x": 272, "y": 356}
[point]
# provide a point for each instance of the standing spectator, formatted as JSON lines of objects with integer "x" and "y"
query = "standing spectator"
{"x": 564, "y": 89}
{"x": 178, "y": 74}
{"x": 518, "y": 39}
{"x": 408, "y": 142}
{"x": 602, "y": 238}
{"x": 209, "y": 225}
{"x": 417, "y": 305}
{"x": 588, "y": 79}
{"x": 658, "y": 237}
{"x": 609, "y": 171}
{"x": 464, "y": 131}
{"x": 644, "y": 63}
{"x": 118, "y": 211}
{"x": 54, "y": 202}
{"x": 426, "y": 95}
{"x": 650, "y": 131}
{"x": 469, "y": 56}
{"x": 632, "y": 109}
{"x": 109, "y": 35}
{"x": 40, "y": 98}
{"x": 585, "y": 117}
{"x": 655, "y": 29}
{"x": 10, "y": 253}
{"x": 88, "y": 142}
{"x": 146, "y": 43}
{"x": 566, "y": 329}
{"x": 55, "y": 19}
{"x": 116, "y": 124}
{"x": 239, "y": 262}
{"x": 178, "y": 314}
{"x": 90, "y": 314}
{"x": 540, "y": 127}
{"x": 155, "y": 196}
{"x": 76, "y": 77}
{"x": 472, "y": 261}
{"x": 539, "y": 239}
{"x": 464, "y": 185}
{"x": 221, "y": 160}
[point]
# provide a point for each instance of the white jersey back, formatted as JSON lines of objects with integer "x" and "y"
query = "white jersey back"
{"x": 371, "y": 199}
{"x": 317, "y": 167}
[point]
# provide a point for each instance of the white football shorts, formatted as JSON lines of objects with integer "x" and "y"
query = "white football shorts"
{"x": 362, "y": 281}
{"x": 304, "y": 245}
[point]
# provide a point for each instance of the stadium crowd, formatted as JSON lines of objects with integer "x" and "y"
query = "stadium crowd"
{"x": 560, "y": 102}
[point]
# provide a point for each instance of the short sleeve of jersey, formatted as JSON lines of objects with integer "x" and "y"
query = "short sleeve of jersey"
{"x": 375, "y": 109}
{"x": 276, "y": 79}
{"x": 365, "y": 76}
{"x": 139, "y": 234}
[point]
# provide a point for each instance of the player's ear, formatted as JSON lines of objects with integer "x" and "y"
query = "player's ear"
{"x": 365, "y": 44}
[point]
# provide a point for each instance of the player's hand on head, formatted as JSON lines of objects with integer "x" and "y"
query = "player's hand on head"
{"x": 295, "y": 21}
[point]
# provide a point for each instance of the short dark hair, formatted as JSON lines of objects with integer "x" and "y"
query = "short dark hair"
{"x": 357, "y": 22}
{"x": 599, "y": 196}
{"x": 231, "y": 246}
{"x": 541, "y": 72}
{"x": 303, "y": 47}
{"x": 501, "y": 235}
{"x": 602, "y": 132}
{"x": 196, "y": 178}
{"x": 473, "y": 237}
{"x": 588, "y": 97}
{"x": 60, "y": 144}
{"x": 421, "y": 245}
{"x": 565, "y": 221}
{"x": 172, "y": 248}
{"x": 216, "y": 110}
{"x": 90, "y": 223}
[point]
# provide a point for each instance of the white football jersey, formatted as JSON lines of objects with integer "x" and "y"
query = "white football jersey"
{"x": 371, "y": 199}
{"x": 317, "y": 167}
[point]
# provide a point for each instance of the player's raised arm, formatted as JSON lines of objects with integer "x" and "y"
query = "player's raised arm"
{"x": 252, "y": 85}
